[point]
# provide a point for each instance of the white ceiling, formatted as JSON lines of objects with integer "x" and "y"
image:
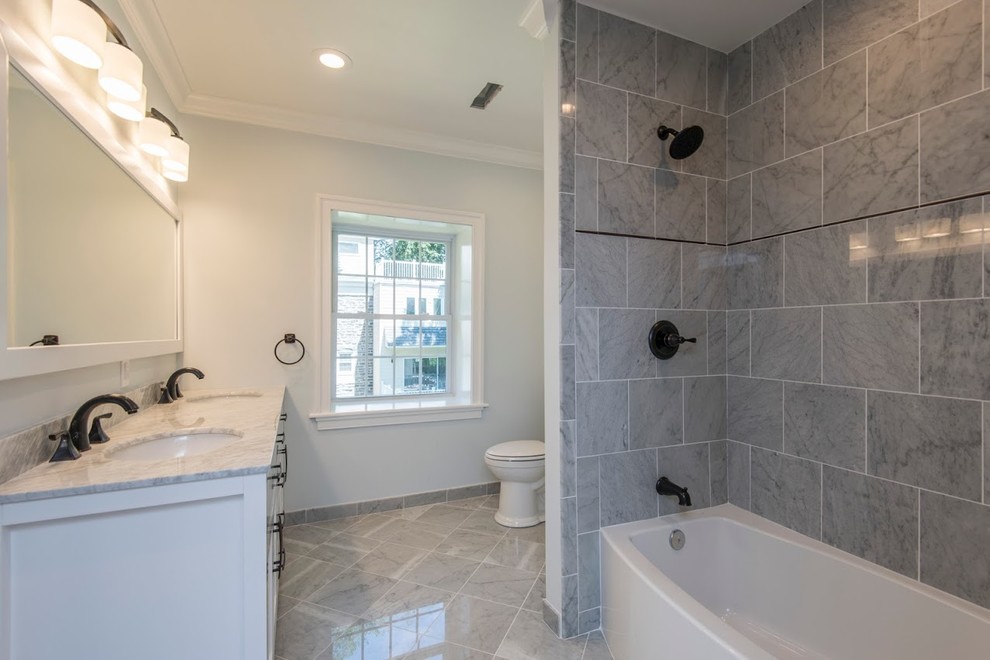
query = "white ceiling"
{"x": 417, "y": 64}
{"x": 720, "y": 24}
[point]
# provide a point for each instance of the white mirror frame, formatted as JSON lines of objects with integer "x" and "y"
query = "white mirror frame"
{"x": 41, "y": 66}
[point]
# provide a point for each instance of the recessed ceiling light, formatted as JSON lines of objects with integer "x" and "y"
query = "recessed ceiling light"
{"x": 333, "y": 59}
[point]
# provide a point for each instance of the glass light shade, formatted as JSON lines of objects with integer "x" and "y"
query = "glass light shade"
{"x": 121, "y": 72}
{"x": 177, "y": 158}
{"x": 78, "y": 33}
{"x": 179, "y": 176}
{"x": 129, "y": 110}
{"x": 153, "y": 135}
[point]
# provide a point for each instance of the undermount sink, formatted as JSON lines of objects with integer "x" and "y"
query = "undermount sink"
{"x": 192, "y": 398}
{"x": 176, "y": 445}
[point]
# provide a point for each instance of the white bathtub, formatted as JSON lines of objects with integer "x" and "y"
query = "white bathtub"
{"x": 744, "y": 587}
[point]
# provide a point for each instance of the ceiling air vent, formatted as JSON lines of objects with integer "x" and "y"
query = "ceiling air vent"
{"x": 486, "y": 95}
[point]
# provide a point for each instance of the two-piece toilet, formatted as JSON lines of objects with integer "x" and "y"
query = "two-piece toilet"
{"x": 519, "y": 466}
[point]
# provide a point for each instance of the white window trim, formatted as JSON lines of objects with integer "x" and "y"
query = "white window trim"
{"x": 465, "y": 403}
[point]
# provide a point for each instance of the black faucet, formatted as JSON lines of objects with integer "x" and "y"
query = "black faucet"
{"x": 171, "y": 391}
{"x": 79, "y": 426}
{"x": 667, "y": 487}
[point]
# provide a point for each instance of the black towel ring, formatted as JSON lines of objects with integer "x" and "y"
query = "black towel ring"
{"x": 290, "y": 339}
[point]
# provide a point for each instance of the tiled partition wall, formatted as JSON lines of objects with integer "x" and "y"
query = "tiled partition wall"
{"x": 859, "y": 351}
{"x": 628, "y": 417}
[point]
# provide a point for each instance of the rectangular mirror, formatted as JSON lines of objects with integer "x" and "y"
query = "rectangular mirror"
{"x": 92, "y": 250}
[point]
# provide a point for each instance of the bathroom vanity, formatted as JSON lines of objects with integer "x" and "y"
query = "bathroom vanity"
{"x": 163, "y": 543}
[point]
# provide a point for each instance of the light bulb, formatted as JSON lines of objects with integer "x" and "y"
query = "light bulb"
{"x": 153, "y": 135}
{"x": 129, "y": 110}
{"x": 121, "y": 72}
{"x": 333, "y": 59}
{"x": 78, "y": 33}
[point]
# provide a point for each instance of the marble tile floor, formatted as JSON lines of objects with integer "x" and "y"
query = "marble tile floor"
{"x": 442, "y": 581}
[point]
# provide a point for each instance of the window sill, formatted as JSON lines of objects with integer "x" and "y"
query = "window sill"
{"x": 360, "y": 415}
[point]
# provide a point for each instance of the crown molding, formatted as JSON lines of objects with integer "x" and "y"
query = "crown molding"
{"x": 534, "y": 20}
{"x": 358, "y": 131}
{"x": 151, "y": 34}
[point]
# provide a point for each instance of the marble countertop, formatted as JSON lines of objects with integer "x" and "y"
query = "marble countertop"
{"x": 253, "y": 414}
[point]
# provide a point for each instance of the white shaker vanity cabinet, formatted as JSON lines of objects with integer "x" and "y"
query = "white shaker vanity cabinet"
{"x": 108, "y": 559}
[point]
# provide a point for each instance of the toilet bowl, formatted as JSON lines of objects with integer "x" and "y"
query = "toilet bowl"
{"x": 519, "y": 466}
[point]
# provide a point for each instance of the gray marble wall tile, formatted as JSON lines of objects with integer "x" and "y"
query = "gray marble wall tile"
{"x": 737, "y": 474}
{"x": 872, "y": 346}
{"x": 688, "y": 467}
{"x": 716, "y": 211}
{"x": 824, "y": 266}
{"x": 568, "y": 19}
{"x": 681, "y": 71}
{"x": 586, "y": 193}
{"x": 601, "y": 121}
{"x": 588, "y": 494}
{"x": 568, "y": 459}
{"x": 787, "y": 343}
{"x": 704, "y": 409}
{"x": 566, "y": 231}
{"x": 568, "y": 536}
{"x": 566, "y": 306}
{"x": 709, "y": 159}
{"x": 955, "y": 148}
{"x": 717, "y": 348}
{"x": 645, "y": 116}
{"x": 936, "y": 265}
{"x": 566, "y": 155}
{"x": 755, "y": 274}
{"x": 827, "y": 106}
{"x": 704, "y": 277}
{"x": 602, "y": 417}
{"x": 740, "y": 85}
{"x": 755, "y": 135}
{"x": 691, "y": 359}
{"x": 756, "y": 411}
{"x": 739, "y": 208}
{"x": 986, "y": 452}
{"x": 680, "y": 206}
{"x": 589, "y": 573}
{"x": 871, "y": 518}
{"x": 569, "y": 615}
{"x": 718, "y": 81}
{"x": 656, "y": 413}
{"x": 654, "y": 274}
{"x": 600, "y": 274}
{"x": 567, "y": 382}
{"x": 737, "y": 342}
{"x": 586, "y": 348}
{"x": 718, "y": 467}
{"x": 929, "y": 7}
{"x": 826, "y": 424}
{"x": 586, "y": 30}
{"x": 625, "y": 199}
{"x": 788, "y": 491}
{"x": 853, "y": 24}
{"x": 955, "y": 338}
{"x": 591, "y": 620}
{"x": 929, "y": 63}
{"x": 788, "y": 51}
{"x": 628, "y": 486}
{"x": 623, "y": 351}
{"x": 955, "y": 536}
{"x": 872, "y": 172}
{"x": 568, "y": 81}
{"x": 626, "y": 55}
{"x": 986, "y": 53}
{"x": 934, "y": 443}
{"x": 788, "y": 195}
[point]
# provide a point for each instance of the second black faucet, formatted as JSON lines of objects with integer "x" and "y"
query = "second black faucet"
{"x": 171, "y": 391}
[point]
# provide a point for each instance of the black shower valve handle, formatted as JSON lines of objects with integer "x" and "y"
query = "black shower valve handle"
{"x": 677, "y": 340}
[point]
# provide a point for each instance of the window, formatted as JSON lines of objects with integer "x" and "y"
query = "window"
{"x": 403, "y": 315}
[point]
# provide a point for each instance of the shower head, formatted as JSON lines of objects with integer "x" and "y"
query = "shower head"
{"x": 685, "y": 141}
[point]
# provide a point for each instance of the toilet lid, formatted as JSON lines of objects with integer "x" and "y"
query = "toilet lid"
{"x": 518, "y": 450}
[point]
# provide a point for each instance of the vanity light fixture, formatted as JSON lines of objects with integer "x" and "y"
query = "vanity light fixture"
{"x": 333, "y": 59}
{"x": 129, "y": 110}
{"x": 173, "y": 150}
{"x": 121, "y": 73}
{"x": 79, "y": 32}
{"x": 153, "y": 134}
